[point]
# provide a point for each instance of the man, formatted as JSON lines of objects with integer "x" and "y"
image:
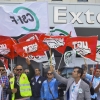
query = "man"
{"x": 91, "y": 71}
{"x": 89, "y": 83}
{"x": 77, "y": 89}
{"x": 95, "y": 81}
{"x": 49, "y": 89}
{"x": 97, "y": 90}
{"x": 36, "y": 83}
{"x": 4, "y": 82}
{"x": 20, "y": 84}
{"x": 26, "y": 71}
{"x": 14, "y": 71}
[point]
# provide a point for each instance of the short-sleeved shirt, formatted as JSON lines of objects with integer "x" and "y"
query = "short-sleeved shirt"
{"x": 96, "y": 81}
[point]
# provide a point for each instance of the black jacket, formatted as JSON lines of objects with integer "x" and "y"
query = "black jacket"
{"x": 29, "y": 75}
{"x": 36, "y": 86}
{"x": 91, "y": 89}
{"x": 61, "y": 89}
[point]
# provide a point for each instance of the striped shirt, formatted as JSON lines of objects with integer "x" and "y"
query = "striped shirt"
{"x": 5, "y": 80}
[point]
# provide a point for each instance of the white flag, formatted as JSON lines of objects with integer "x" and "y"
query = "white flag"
{"x": 24, "y": 18}
{"x": 47, "y": 64}
{"x": 98, "y": 52}
{"x": 64, "y": 29}
{"x": 69, "y": 57}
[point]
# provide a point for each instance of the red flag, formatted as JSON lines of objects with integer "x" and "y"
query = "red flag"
{"x": 56, "y": 42}
{"x": 28, "y": 48}
{"x": 30, "y": 36}
{"x": 3, "y": 38}
{"x": 85, "y": 46}
{"x": 6, "y": 48}
{"x": 33, "y": 36}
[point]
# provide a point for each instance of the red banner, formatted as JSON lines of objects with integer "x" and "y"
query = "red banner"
{"x": 29, "y": 48}
{"x": 30, "y": 37}
{"x": 85, "y": 46}
{"x": 6, "y": 48}
{"x": 56, "y": 42}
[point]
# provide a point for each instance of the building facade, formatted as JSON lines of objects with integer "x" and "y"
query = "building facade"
{"x": 64, "y": 1}
{"x": 83, "y": 14}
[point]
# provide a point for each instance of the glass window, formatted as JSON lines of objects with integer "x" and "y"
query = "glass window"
{"x": 56, "y": 0}
{"x": 83, "y": 0}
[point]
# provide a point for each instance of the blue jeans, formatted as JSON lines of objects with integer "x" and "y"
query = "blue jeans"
{"x": 32, "y": 98}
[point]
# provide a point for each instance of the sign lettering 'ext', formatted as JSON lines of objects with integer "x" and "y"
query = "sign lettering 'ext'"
{"x": 75, "y": 16}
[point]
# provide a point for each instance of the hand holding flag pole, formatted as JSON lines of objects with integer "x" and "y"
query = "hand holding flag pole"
{"x": 95, "y": 71}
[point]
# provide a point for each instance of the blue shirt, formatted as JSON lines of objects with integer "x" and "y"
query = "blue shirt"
{"x": 37, "y": 77}
{"x": 95, "y": 82}
{"x": 45, "y": 93}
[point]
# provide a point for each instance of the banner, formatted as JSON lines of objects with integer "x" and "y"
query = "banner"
{"x": 84, "y": 46}
{"x": 98, "y": 52}
{"x": 38, "y": 59}
{"x": 6, "y": 48}
{"x": 27, "y": 48}
{"x": 24, "y": 18}
{"x": 64, "y": 29}
{"x": 69, "y": 57}
{"x": 56, "y": 42}
{"x": 30, "y": 36}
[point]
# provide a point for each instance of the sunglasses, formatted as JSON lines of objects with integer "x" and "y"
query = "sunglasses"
{"x": 26, "y": 72}
{"x": 49, "y": 73}
{"x": 18, "y": 69}
{"x": 1, "y": 69}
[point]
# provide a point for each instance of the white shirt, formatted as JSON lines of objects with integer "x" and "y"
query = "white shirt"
{"x": 0, "y": 91}
{"x": 74, "y": 89}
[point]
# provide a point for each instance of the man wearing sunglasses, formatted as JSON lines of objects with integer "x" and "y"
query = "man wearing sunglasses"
{"x": 49, "y": 89}
{"x": 4, "y": 82}
{"x": 20, "y": 83}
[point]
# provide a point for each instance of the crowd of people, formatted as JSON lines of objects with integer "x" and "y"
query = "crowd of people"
{"x": 28, "y": 84}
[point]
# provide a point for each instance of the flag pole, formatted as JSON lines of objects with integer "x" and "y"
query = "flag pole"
{"x": 60, "y": 62}
{"x": 95, "y": 71}
{"x": 11, "y": 65}
{"x": 50, "y": 55}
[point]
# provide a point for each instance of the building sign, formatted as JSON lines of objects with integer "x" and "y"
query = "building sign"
{"x": 79, "y": 15}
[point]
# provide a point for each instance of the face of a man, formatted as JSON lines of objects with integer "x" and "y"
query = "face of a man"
{"x": 50, "y": 75}
{"x": 37, "y": 71}
{"x": 75, "y": 73}
{"x": 84, "y": 74}
{"x": 14, "y": 71}
{"x": 26, "y": 71}
{"x": 91, "y": 71}
{"x": 19, "y": 70}
{"x": 2, "y": 70}
{"x": 97, "y": 74}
